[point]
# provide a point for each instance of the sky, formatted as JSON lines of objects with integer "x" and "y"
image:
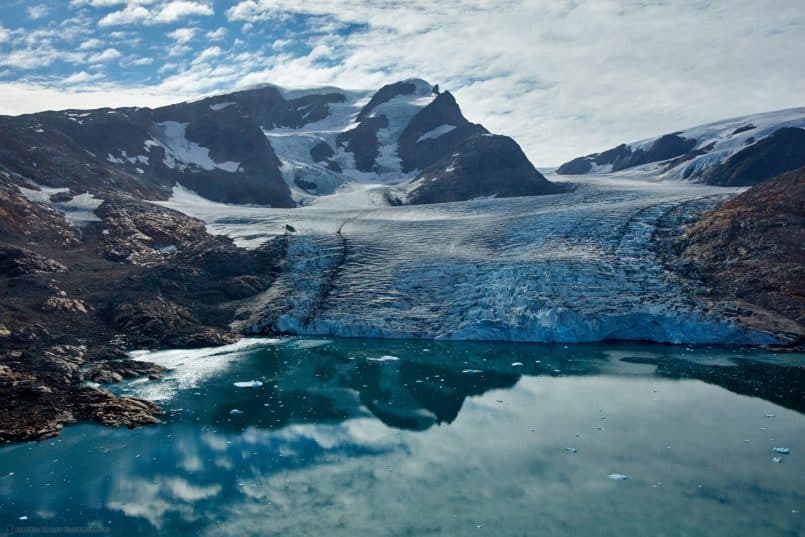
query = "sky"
{"x": 562, "y": 77}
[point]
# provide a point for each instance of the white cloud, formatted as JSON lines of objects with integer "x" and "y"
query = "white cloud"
{"x": 562, "y": 77}
{"x": 140, "y": 61}
{"x": 207, "y": 54}
{"x": 165, "y": 67}
{"x": 168, "y": 12}
{"x": 129, "y": 15}
{"x": 173, "y": 11}
{"x": 217, "y": 35}
{"x": 182, "y": 35}
{"x": 105, "y": 56}
{"x": 37, "y": 12}
{"x": 5, "y": 35}
{"x": 109, "y": 3}
{"x": 90, "y": 44}
{"x": 81, "y": 77}
{"x": 38, "y": 56}
{"x": 178, "y": 50}
{"x": 23, "y": 97}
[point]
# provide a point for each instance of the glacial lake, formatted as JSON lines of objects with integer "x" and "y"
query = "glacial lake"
{"x": 384, "y": 437}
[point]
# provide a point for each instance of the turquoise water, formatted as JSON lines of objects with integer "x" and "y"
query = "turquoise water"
{"x": 374, "y": 437}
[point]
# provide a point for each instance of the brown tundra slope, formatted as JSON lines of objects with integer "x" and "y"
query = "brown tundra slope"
{"x": 751, "y": 251}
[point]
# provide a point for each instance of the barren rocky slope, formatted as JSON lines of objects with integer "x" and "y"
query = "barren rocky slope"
{"x": 74, "y": 299}
{"x": 751, "y": 250}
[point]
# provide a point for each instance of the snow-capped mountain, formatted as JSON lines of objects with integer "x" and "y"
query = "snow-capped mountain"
{"x": 734, "y": 152}
{"x": 275, "y": 147}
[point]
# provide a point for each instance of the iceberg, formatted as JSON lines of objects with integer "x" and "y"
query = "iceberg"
{"x": 248, "y": 384}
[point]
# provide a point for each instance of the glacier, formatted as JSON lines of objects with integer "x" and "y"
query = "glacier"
{"x": 565, "y": 268}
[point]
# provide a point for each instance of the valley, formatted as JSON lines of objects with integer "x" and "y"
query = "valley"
{"x": 576, "y": 267}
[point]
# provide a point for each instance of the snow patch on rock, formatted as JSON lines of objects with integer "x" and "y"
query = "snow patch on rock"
{"x": 182, "y": 153}
{"x": 221, "y": 106}
{"x": 439, "y": 131}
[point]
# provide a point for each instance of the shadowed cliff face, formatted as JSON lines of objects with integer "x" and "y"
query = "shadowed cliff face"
{"x": 782, "y": 151}
{"x": 623, "y": 157}
{"x": 483, "y": 166}
{"x": 418, "y": 150}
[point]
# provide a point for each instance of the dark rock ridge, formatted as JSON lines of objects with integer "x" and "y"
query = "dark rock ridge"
{"x": 144, "y": 152}
{"x": 751, "y": 251}
{"x": 218, "y": 146}
{"x": 214, "y": 146}
{"x": 782, "y": 151}
{"x": 734, "y": 152}
{"x": 450, "y": 158}
{"x": 418, "y": 152}
{"x": 482, "y": 166}
{"x": 623, "y": 156}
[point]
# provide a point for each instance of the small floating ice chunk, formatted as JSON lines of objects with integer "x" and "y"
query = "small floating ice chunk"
{"x": 23, "y": 517}
{"x": 777, "y": 460}
{"x": 385, "y": 358}
{"x": 783, "y": 450}
{"x": 571, "y": 449}
{"x": 471, "y": 371}
{"x": 770, "y": 415}
{"x": 235, "y": 412}
{"x": 517, "y": 364}
{"x": 248, "y": 384}
{"x": 618, "y": 477}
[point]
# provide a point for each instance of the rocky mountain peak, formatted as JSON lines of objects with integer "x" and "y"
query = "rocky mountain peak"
{"x": 263, "y": 146}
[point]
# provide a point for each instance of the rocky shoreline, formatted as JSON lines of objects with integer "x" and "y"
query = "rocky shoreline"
{"x": 76, "y": 299}
{"x": 744, "y": 256}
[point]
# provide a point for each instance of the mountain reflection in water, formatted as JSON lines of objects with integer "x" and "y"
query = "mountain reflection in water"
{"x": 367, "y": 437}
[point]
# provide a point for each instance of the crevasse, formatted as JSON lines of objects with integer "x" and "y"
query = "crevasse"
{"x": 575, "y": 267}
